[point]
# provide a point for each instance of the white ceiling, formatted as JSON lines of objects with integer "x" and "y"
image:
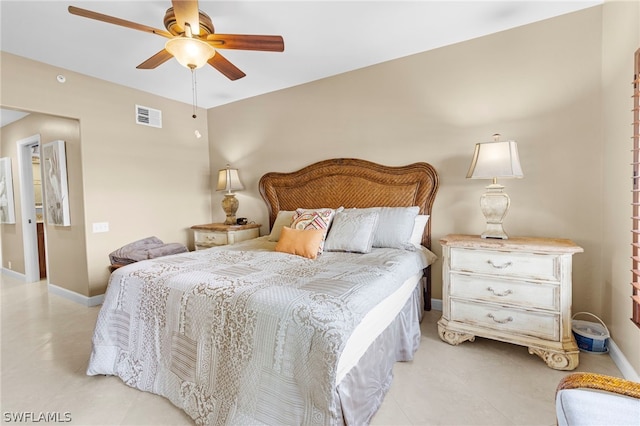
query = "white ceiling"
{"x": 322, "y": 38}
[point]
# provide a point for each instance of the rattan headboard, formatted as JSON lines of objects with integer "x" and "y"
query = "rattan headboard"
{"x": 351, "y": 182}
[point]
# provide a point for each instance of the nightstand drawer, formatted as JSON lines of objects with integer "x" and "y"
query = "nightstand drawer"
{"x": 536, "y": 324}
{"x": 210, "y": 239}
{"x": 517, "y": 293}
{"x": 218, "y": 234}
{"x": 508, "y": 264}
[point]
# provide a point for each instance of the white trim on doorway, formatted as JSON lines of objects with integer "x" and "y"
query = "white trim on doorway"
{"x": 28, "y": 208}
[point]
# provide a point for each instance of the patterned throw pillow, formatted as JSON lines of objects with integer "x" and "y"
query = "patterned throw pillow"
{"x": 313, "y": 219}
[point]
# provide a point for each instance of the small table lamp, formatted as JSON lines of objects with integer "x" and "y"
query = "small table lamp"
{"x": 493, "y": 160}
{"x": 228, "y": 180}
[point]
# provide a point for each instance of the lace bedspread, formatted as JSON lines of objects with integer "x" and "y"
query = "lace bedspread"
{"x": 242, "y": 334}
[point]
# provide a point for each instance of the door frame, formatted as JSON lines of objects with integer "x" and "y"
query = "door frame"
{"x": 28, "y": 208}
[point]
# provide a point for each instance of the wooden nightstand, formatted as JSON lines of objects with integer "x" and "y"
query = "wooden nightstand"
{"x": 219, "y": 234}
{"x": 516, "y": 290}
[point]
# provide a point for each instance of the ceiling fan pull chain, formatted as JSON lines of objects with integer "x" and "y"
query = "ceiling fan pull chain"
{"x": 195, "y": 92}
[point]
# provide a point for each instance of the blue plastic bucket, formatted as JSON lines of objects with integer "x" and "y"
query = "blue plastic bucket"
{"x": 590, "y": 336}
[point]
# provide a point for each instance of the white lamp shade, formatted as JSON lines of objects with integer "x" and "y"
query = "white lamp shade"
{"x": 190, "y": 52}
{"x": 495, "y": 160}
{"x": 228, "y": 180}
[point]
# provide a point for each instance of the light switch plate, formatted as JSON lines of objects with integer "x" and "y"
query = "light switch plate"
{"x": 100, "y": 227}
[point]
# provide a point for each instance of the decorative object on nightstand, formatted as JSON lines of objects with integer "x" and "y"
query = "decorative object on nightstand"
{"x": 220, "y": 234}
{"x": 516, "y": 291}
{"x": 493, "y": 160}
{"x": 228, "y": 180}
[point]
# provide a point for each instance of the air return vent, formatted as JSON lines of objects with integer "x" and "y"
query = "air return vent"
{"x": 148, "y": 116}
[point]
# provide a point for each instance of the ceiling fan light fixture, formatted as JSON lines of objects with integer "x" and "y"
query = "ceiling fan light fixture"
{"x": 191, "y": 53}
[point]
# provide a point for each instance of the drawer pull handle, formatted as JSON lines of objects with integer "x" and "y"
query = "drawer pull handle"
{"x": 504, "y": 321}
{"x": 504, "y": 265}
{"x": 506, "y": 293}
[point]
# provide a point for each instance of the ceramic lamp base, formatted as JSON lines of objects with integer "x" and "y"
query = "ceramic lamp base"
{"x": 494, "y": 204}
{"x": 230, "y": 206}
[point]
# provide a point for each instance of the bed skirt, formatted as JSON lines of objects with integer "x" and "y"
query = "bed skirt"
{"x": 364, "y": 387}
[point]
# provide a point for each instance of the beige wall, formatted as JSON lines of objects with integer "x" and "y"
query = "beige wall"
{"x": 142, "y": 180}
{"x": 538, "y": 84}
{"x": 621, "y": 38}
{"x": 560, "y": 87}
{"x": 541, "y": 85}
{"x": 66, "y": 244}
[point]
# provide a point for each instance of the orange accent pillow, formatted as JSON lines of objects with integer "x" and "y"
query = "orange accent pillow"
{"x": 301, "y": 242}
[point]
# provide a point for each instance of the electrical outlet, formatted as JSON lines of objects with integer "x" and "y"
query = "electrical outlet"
{"x": 9, "y": 264}
{"x": 100, "y": 227}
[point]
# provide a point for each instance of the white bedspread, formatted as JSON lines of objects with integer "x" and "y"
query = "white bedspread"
{"x": 241, "y": 333}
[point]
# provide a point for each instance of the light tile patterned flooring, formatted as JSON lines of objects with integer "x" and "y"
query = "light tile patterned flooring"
{"x": 46, "y": 341}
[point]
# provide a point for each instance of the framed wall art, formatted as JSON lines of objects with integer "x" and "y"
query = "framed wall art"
{"x": 7, "y": 206}
{"x": 56, "y": 189}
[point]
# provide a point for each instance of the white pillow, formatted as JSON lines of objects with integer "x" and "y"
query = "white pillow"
{"x": 395, "y": 226}
{"x": 418, "y": 229}
{"x": 283, "y": 218}
{"x": 352, "y": 230}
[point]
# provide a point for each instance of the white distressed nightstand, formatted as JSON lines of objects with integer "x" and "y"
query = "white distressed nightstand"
{"x": 516, "y": 290}
{"x": 219, "y": 234}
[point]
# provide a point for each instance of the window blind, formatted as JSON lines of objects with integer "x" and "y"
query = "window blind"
{"x": 635, "y": 229}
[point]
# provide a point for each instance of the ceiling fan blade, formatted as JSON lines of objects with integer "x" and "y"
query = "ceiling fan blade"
{"x": 186, "y": 11}
{"x": 221, "y": 63}
{"x": 117, "y": 21}
{"x": 247, "y": 42}
{"x": 158, "y": 59}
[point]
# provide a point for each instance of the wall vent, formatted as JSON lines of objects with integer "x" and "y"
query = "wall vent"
{"x": 148, "y": 116}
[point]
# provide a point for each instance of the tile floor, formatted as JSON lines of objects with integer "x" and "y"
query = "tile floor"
{"x": 46, "y": 341}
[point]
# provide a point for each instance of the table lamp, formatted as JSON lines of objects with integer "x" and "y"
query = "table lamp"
{"x": 229, "y": 181}
{"x": 493, "y": 160}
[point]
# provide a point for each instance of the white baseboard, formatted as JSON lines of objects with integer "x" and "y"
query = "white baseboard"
{"x": 13, "y": 274}
{"x": 621, "y": 362}
{"x": 75, "y": 297}
{"x": 59, "y": 291}
{"x": 615, "y": 353}
{"x": 436, "y": 305}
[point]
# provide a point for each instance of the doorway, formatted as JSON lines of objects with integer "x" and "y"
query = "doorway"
{"x": 26, "y": 149}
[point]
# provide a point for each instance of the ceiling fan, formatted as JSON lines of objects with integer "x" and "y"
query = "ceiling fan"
{"x": 192, "y": 39}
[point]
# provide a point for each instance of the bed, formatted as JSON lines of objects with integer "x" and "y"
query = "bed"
{"x": 257, "y": 333}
